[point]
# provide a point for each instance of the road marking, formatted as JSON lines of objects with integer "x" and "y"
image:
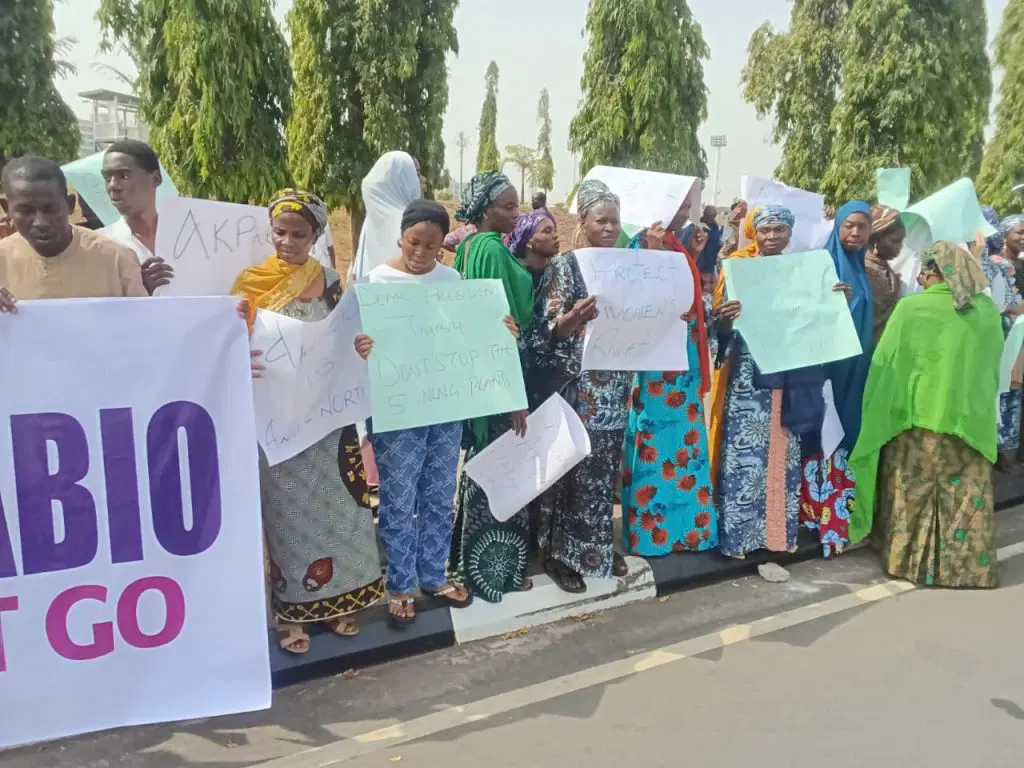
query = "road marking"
{"x": 339, "y": 752}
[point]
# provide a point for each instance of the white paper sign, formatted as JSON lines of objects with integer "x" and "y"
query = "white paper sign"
{"x": 131, "y": 568}
{"x": 641, "y": 296}
{"x": 811, "y": 229}
{"x": 648, "y": 196}
{"x": 209, "y": 243}
{"x": 514, "y": 470}
{"x": 832, "y": 432}
{"x": 314, "y": 382}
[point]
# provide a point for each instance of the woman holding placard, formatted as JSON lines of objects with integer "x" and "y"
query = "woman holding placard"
{"x": 757, "y": 420}
{"x": 418, "y": 466}
{"x": 324, "y": 563}
{"x": 575, "y": 521}
{"x": 923, "y": 460}
{"x": 491, "y": 555}
{"x": 826, "y": 493}
{"x": 666, "y": 478}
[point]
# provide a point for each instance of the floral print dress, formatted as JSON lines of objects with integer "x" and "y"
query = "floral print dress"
{"x": 574, "y": 519}
{"x": 666, "y": 478}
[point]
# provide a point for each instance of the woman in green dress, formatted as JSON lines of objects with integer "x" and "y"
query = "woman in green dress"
{"x": 923, "y": 459}
{"x": 491, "y": 556}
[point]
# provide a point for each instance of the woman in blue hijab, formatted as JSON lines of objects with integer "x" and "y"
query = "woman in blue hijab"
{"x": 826, "y": 494}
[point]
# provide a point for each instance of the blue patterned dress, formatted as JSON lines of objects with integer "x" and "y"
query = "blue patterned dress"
{"x": 759, "y": 473}
{"x": 1000, "y": 272}
{"x": 574, "y": 519}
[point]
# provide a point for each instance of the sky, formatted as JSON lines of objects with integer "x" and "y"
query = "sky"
{"x": 539, "y": 44}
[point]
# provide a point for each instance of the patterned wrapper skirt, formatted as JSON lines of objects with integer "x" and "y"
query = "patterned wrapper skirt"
{"x": 324, "y": 561}
{"x": 935, "y": 521}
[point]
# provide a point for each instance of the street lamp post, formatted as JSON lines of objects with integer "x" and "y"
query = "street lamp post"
{"x": 717, "y": 142}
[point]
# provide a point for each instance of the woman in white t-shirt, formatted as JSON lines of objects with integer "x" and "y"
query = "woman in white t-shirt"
{"x": 418, "y": 467}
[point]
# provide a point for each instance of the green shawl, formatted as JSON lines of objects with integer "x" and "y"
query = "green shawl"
{"x": 484, "y": 256}
{"x": 934, "y": 368}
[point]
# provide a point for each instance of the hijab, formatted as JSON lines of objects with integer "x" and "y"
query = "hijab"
{"x": 388, "y": 188}
{"x": 850, "y": 376}
{"x": 526, "y": 227}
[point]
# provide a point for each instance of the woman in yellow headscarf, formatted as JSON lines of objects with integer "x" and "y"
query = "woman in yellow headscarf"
{"x": 324, "y": 563}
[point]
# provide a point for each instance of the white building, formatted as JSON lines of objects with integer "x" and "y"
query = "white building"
{"x": 113, "y": 116}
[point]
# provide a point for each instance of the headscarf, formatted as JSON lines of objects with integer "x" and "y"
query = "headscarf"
{"x": 274, "y": 283}
{"x": 849, "y": 376}
{"x": 993, "y": 243}
{"x": 883, "y": 218}
{"x": 770, "y": 215}
{"x": 1010, "y": 222}
{"x": 392, "y": 183}
{"x": 481, "y": 192}
{"x": 592, "y": 193}
{"x": 959, "y": 270}
{"x": 425, "y": 210}
{"x": 526, "y": 227}
{"x": 299, "y": 201}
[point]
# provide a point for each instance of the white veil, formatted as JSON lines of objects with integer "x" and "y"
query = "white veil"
{"x": 388, "y": 188}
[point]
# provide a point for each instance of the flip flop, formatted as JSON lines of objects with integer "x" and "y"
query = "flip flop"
{"x": 443, "y": 595}
{"x": 400, "y": 622}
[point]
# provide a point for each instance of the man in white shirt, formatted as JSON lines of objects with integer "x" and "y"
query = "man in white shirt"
{"x": 131, "y": 173}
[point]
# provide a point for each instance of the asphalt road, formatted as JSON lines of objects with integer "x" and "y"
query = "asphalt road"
{"x": 838, "y": 667}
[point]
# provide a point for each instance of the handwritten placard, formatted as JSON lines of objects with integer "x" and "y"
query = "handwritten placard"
{"x": 791, "y": 317}
{"x": 86, "y": 176}
{"x": 647, "y": 196}
{"x": 441, "y": 352}
{"x": 314, "y": 382}
{"x": 893, "y": 187}
{"x": 641, "y": 296}
{"x": 209, "y": 243}
{"x": 515, "y": 470}
{"x": 952, "y": 214}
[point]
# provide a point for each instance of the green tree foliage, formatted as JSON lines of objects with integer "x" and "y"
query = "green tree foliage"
{"x": 916, "y": 86}
{"x": 643, "y": 88}
{"x": 33, "y": 117}
{"x": 794, "y": 77}
{"x": 487, "y": 158}
{"x": 1003, "y": 166}
{"x": 524, "y": 158}
{"x": 215, "y": 90}
{"x": 545, "y": 164}
{"x": 370, "y": 78}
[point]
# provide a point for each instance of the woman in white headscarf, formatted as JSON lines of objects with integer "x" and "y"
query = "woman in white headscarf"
{"x": 392, "y": 183}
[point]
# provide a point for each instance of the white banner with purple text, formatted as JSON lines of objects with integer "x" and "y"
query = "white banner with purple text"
{"x": 131, "y": 570}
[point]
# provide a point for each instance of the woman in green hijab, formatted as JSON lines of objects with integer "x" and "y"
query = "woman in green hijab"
{"x": 491, "y": 556}
{"x": 923, "y": 459}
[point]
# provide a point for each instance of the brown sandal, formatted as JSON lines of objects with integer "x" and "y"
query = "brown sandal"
{"x": 344, "y": 627}
{"x": 293, "y": 640}
{"x": 444, "y": 595}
